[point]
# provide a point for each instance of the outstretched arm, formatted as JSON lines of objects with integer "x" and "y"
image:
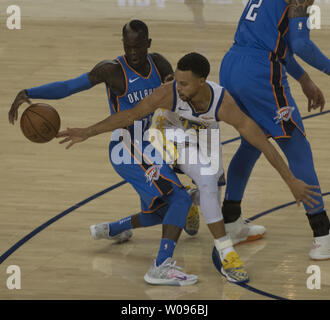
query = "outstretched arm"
{"x": 231, "y": 114}
{"x": 162, "y": 97}
{"x": 299, "y": 36}
{"x": 102, "y": 72}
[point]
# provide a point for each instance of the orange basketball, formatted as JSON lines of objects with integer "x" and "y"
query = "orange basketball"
{"x": 40, "y": 122}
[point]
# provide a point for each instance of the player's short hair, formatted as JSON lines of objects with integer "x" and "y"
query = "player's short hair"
{"x": 137, "y": 26}
{"x": 196, "y": 63}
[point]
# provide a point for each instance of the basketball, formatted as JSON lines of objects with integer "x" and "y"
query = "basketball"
{"x": 40, "y": 122}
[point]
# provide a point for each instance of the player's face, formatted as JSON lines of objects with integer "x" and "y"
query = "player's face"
{"x": 136, "y": 47}
{"x": 188, "y": 84}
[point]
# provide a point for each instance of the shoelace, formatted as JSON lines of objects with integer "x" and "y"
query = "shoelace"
{"x": 170, "y": 266}
{"x": 173, "y": 266}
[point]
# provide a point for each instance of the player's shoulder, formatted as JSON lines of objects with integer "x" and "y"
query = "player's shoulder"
{"x": 157, "y": 57}
{"x": 104, "y": 71}
{"x": 164, "y": 68}
{"x": 107, "y": 65}
{"x": 214, "y": 85}
{"x": 162, "y": 64}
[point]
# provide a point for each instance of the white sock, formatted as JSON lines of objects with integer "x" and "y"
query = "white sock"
{"x": 223, "y": 251}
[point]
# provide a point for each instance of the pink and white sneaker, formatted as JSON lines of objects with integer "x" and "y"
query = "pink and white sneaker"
{"x": 321, "y": 248}
{"x": 168, "y": 274}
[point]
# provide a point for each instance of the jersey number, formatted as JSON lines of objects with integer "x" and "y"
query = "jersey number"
{"x": 252, "y": 15}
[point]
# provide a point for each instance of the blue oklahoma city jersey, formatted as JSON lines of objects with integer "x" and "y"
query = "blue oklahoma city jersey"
{"x": 137, "y": 88}
{"x": 253, "y": 72}
{"x": 150, "y": 181}
{"x": 263, "y": 25}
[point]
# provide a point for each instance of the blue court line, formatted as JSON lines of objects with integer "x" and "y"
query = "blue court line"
{"x": 18, "y": 244}
{"x": 257, "y": 291}
{"x": 246, "y": 286}
{"x": 276, "y": 208}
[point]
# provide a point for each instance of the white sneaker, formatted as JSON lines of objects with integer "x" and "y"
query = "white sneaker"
{"x": 321, "y": 248}
{"x": 240, "y": 231}
{"x": 102, "y": 231}
{"x": 169, "y": 274}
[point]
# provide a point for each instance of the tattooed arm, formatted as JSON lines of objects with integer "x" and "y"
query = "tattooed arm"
{"x": 298, "y": 8}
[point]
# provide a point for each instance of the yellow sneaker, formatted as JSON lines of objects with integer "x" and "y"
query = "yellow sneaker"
{"x": 192, "y": 221}
{"x": 230, "y": 266}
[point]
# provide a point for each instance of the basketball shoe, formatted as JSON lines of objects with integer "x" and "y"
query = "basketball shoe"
{"x": 321, "y": 248}
{"x": 169, "y": 274}
{"x": 102, "y": 231}
{"x": 192, "y": 220}
{"x": 240, "y": 231}
{"x": 229, "y": 264}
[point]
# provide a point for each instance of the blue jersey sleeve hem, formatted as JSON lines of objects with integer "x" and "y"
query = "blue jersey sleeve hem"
{"x": 219, "y": 104}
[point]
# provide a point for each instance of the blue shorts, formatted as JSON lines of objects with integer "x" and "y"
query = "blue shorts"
{"x": 150, "y": 181}
{"x": 258, "y": 83}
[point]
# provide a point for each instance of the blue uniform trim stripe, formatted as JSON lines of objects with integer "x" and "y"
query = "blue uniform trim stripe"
{"x": 219, "y": 104}
{"x": 174, "y": 96}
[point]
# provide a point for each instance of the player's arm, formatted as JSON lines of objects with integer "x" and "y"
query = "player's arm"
{"x": 299, "y": 36}
{"x": 230, "y": 113}
{"x": 164, "y": 67}
{"x": 162, "y": 97}
{"x": 312, "y": 92}
{"x": 293, "y": 68}
{"x": 103, "y": 71}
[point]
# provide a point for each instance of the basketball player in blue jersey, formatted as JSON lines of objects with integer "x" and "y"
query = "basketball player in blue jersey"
{"x": 129, "y": 79}
{"x": 192, "y": 98}
{"x": 254, "y": 71}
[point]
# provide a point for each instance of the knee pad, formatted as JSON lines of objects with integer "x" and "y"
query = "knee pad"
{"x": 231, "y": 210}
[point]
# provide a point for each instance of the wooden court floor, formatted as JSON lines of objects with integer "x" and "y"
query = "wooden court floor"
{"x": 59, "y": 260}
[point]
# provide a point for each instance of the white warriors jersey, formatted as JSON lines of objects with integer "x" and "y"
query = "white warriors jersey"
{"x": 187, "y": 124}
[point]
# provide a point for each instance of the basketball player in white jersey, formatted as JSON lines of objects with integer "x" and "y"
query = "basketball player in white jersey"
{"x": 193, "y": 102}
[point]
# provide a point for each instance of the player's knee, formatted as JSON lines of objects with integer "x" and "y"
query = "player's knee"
{"x": 208, "y": 184}
{"x": 179, "y": 205}
{"x": 300, "y": 154}
{"x": 247, "y": 147}
{"x": 179, "y": 197}
{"x": 149, "y": 219}
{"x": 185, "y": 198}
